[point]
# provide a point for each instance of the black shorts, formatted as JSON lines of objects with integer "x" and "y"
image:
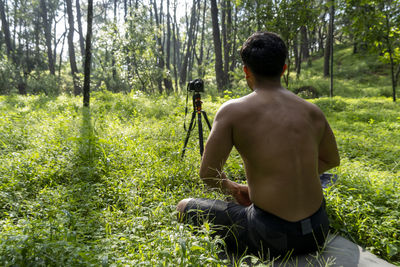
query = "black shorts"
{"x": 255, "y": 231}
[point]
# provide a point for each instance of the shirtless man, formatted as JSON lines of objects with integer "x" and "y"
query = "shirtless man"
{"x": 285, "y": 143}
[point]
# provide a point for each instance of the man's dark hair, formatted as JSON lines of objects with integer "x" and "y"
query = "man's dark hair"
{"x": 264, "y": 53}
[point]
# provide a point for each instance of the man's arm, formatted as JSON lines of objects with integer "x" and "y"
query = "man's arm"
{"x": 328, "y": 156}
{"x": 218, "y": 147}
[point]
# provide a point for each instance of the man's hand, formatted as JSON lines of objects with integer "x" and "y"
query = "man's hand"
{"x": 241, "y": 194}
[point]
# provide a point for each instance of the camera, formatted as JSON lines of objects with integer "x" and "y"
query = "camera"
{"x": 196, "y": 85}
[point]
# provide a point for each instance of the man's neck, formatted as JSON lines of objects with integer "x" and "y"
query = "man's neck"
{"x": 267, "y": 85}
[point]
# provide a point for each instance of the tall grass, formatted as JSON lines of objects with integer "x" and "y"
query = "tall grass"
{"x": 99, "y": 186}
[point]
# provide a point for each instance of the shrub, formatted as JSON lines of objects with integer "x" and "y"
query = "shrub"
{"x": 44, "y": 84}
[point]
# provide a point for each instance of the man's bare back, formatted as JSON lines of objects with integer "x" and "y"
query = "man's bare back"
{"x": 278, "y": 136}
{"x": 285, "y": 143}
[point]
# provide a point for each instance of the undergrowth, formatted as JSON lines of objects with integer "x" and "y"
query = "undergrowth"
{"x": 97, "y": 187}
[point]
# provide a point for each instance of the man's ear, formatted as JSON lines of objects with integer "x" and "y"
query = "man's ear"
{"x": 284, "y": 69}
{"x": 246, "y": 71}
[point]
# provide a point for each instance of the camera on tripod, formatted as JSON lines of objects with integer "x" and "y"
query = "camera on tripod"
{"x": 196, "y": 85}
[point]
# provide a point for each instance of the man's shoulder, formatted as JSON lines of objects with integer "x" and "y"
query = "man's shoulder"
{"x": 309, "y": 105}
{"x": 232, "y": 104}
{"x": 230, "y": 109}
{"x": 315, "y": 110}
{"x": 315, "y": 113}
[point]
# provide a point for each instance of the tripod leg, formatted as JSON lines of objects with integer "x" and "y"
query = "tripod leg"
{"x": 200, "y": 126}
{"x": 207, "y": 121}
{"x": 188, "y": 134}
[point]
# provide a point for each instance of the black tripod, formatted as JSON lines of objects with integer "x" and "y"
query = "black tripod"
{"x": 196, "y": 109}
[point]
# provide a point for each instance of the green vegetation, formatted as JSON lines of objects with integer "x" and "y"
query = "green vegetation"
{"x": 355, "y": 75}
{"x": 364, "y": 205}
{"x": 80, "y": 187}
{"x": 157, "y": 46}
{"x": 100, "y": 187}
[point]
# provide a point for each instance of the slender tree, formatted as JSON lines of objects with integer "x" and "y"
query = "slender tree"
{"x": 71, "y": 48}
{"x": 305, "y": 52}
{"x": 331, "y": 24}
{"x": 47, "y": 34}
{"x": 168, "y": 51}
{"x": 80, "y": 32}
{"x": 88, "y": 56}
{"x": 329, "y": 40}
{"x": 219, "y": 72}
{"x": 226, "y": 23}
{"x": 163, "y": 78}
{"x": 6, "y": 30}
{"x": 201, "y": 69}
{"x": 176, "y": 49}
{"x": 113, "y": 67}
{"x": 189, "y": 46}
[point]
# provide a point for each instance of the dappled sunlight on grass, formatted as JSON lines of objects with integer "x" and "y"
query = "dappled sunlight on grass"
{"x": 82, "y": 188}
{"x": 355, "y": 75}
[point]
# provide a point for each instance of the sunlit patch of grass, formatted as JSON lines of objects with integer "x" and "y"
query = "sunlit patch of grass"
{"x": 355, "y": 75}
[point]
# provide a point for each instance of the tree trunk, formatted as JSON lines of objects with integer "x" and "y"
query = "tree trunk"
{"x": 28, "y": 65}
{"x": 176, "y": 60}
{"x": 193, "y": 54}
{"x": 168, "y": 81}
{"x": 226, "y": 34}
{"x": 161, "y": 63}
{"x": 37, "y": 38}
{"x": 331, "y": 25}
{"x": 125, "y": 9}
{"x": 200, "y": 69}
{"x": 6, "y": 29}
{"x": 10, "y": 48}
{"x": 183, "y": 74}
{"x": 305, "y": 53}
{"x": 55, "y": 42}
{"x": 79, "y": 20}
{"x": 287, "y": 75}
{"x": 1, "y": 40}
{"x": 219, "y": 73}
{"x": 71, "y": 49}
{"x": 114, "y": 70}
{"x": 15, "y": 33}
{"x": 297, "y": 56}
{"x": 88, "y": 56}
{"x": 224, "y": 37}
{"x": 160, "y": 60}
{"x": 168, "y": 37}
{"x": 312, "y": 40}
{"x": 60, "y": 57}
{"x": 127, "y": 54}
{"x": 392, "y": 64}
{"x": 327, "y": 53}
{"x": 321, "y": 29}
{"x": 47, "y": 34}
{"x": 233, "y": 59}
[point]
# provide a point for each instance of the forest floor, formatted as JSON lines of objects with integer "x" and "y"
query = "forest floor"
{"x": 97, "y": 187}
{"x": 82, "y": 188}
